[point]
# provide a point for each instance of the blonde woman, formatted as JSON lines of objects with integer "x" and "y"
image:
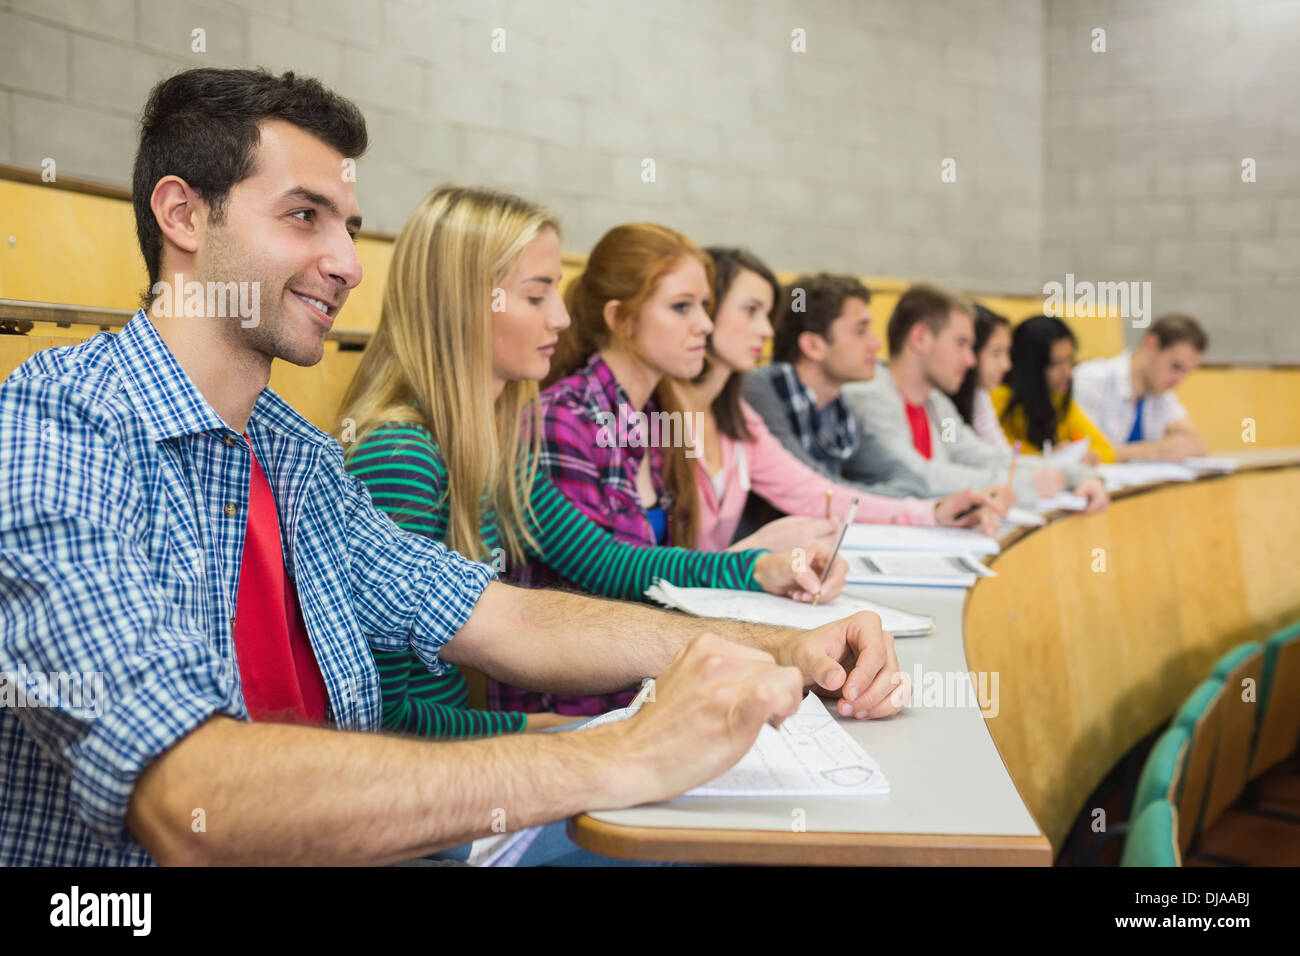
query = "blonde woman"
{"x": 440, "y": 409}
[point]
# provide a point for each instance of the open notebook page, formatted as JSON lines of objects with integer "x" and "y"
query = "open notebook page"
{"x": 761, "y": 608}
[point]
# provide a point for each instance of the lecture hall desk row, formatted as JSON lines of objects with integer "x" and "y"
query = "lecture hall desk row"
{"x": 1088, "y": 663}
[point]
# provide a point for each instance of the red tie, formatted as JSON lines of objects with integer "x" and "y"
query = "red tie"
{"x": 282, "y": 681}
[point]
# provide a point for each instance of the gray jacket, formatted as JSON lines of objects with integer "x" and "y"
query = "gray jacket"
{"x": 873, "y": 467}
{"x": 959, "y": 458}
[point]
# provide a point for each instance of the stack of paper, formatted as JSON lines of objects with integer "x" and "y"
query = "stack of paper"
{"x": 1212, "y": 465}
{"x": 1129, "y": 474}
{"x": 1022, "y": 518}
{"x": 915, "y": 568}
{"x": 894, "y": 537}
{"x": 769, "y": 609}
{"x": 1065, "y": 501}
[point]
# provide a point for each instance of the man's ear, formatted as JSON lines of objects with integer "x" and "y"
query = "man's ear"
{"x": 812, "y": 346}
{"x": 180, "y": 213}
{"x": 919, "y": 336}
{"x": 611, "y": 315}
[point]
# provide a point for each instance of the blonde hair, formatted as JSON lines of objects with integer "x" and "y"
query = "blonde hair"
{"x": 625, "y": 266}
{"x": 430, "y": 360}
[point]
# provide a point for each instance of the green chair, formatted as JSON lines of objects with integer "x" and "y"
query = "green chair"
{"x": 1199, "y": 717}
{"x": 1162, "y": 774}
{"x": 1153, "y": 837}
{"x": 1279, "y": 702}
{"x": 1241, "y": 670}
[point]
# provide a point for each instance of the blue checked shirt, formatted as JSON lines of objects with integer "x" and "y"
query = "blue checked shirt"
{"x": 123, "y": 506}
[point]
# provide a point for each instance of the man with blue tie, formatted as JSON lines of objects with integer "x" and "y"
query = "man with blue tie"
{"x": 1131, "y": 397}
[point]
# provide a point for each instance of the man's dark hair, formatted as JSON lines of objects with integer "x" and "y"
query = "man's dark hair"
{"x": 923, "y": 303}
{"x": 1175, "y": 328}
{"x": 202, "y": 125}
{"x": 822, "y": 300}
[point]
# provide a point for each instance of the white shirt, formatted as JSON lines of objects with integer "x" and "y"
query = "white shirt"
{"x": 984, "y": 419}
{"x": 1104, "y": 389}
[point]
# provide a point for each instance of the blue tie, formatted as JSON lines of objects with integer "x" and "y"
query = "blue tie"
{"x": 1136, "y": 433}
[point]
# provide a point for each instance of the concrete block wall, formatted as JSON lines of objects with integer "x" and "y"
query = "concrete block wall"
{"x": 1145, "y": 144}
{"x": 828, "y": 158}
{"x": 1123, "y": 165}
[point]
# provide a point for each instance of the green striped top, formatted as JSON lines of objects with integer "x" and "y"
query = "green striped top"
{"x": 401, "y": 466}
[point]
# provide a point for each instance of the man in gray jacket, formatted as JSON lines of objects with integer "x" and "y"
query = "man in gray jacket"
{"x": 824, "y": 340}
{"x": 931, "y": 334}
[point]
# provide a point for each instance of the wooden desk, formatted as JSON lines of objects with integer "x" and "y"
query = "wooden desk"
{"x": 1084, "y": 672}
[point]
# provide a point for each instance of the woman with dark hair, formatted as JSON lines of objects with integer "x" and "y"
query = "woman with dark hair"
{"x": 992, "y": 362}
{"x": 1035, "y": 406}
{"x": 734, "y": 452}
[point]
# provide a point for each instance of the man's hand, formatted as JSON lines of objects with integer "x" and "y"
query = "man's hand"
{"x": 1049, "y": 482}
{"x": 798, "y": 576}
{"x": 1178, "y": 445}
{"x": 704, "y": 714}
{"x": 955, "y": 511}
{"x": 853, "y": 658}
{"x": 1095, "y": 492}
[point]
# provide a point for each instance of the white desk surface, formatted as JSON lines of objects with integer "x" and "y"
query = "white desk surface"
{"x": 945, "y": 774}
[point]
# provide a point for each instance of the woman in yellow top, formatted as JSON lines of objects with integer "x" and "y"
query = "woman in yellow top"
{"x": 1034, "y": 406}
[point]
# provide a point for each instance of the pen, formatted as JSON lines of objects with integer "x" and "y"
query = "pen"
{"x": 844, "y": 529}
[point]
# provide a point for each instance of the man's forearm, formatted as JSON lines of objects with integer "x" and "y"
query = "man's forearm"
{"x": 567, "y": 643}
{"x": 274, "y": 793}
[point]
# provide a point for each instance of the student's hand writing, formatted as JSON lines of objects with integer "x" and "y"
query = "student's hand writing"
{"x": 1176, "y": 446}
{"x": 853, "y": 659}
{"x": 1049, "y": 482}
{"x": 954, "y": 511}
{"x": 704, "y": 713}
{"x": 1095, "y": 492}
{"x": 796, "y": 574}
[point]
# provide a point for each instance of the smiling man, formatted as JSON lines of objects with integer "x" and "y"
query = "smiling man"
{"x": 172, "y": 524}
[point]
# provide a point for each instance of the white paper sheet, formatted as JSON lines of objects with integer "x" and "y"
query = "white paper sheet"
{"x": 1130, "y": 473}
{"x": 811, "y": 755}
{"x": 781, "y": 612}
{"x": 1212, "y": 465}
{"x": 893, "y": 537}
{"x": 1065, "y": 501}
{"x": 918, "y": 568}
{"x": 1066, "y": 455}
{"x": 1022, "y": 518}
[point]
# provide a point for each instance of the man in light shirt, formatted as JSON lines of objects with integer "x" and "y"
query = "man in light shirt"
{"x": 931, "y": 335}
{"x": 1131, "y": 397}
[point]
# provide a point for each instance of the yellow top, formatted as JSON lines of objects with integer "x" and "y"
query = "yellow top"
{"x": 1076, "y": 425}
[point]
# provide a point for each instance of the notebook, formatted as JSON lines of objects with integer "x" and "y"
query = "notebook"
{"x": 812, "y": 755}
{"x": 893, "y": 537}
{"x": 762, "y": 608}
{"x": 915, "y": 568}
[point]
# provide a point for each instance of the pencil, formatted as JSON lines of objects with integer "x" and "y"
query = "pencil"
{"x": 828, "y": 504}
{"x": 844, "y": 529}
{"x": 1011, "y": 472}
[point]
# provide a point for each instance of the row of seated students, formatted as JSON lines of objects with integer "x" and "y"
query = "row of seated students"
{"x": 655, "y": 323}
{"x": 229, "y": 571}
